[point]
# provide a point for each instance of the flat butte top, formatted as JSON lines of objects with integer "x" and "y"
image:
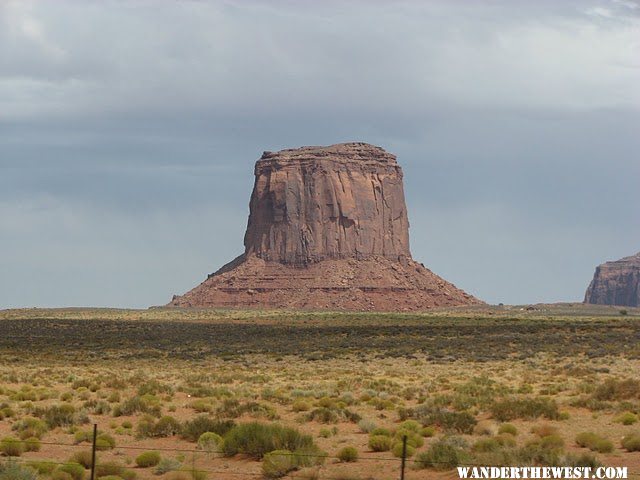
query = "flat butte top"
{"x": 340, "y": 152}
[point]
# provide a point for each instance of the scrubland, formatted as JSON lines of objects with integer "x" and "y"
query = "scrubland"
{"x": 196, "y": 394}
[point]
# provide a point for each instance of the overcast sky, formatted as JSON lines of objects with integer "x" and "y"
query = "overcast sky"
{"x": 129, "y": 130}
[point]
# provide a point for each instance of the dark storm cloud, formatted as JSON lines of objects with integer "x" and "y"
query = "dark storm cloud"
{"x": 128, "y": 133}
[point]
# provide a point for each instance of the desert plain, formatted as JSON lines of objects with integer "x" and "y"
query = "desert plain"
{"x": 201, "y": 393}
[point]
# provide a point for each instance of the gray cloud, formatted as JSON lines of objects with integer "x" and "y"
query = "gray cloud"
{"x": 129, "y": 131}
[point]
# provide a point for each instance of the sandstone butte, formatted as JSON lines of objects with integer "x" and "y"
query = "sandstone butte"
{"x": 616, "y": 283}
{"x": 327, "y": 230}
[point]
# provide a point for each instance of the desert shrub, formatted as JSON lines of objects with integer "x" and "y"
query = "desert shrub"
{"x": 410, "y": 426}
{"x": 414, "y": 439}
{"x": 166, "y": 427}
{"x": 210, "y": 442}
{"x": 300, "y": 406}
{"x": 232, "y": 408}
{"x": 256, "y": 439}
{"x": 167, "y": 465}
{"x": 397, "y": 448}
{"x": 114, "y": 397}
{"x": 403, "y": 413}
{"x": 427, "y": 431}
{"x": 6, "y": 412}
{"x": 12, "y": 447}
{"x": 138, "y": 404}
{"x": 12, "y": 470}
{"x": 484, "y": 428}
{"x": 594, "y": 442}
{"x": 84, "y": 458}
{"x": 80, "y": 383}
{"x": 435, "y": 415}
{"x": 61, "y": 415}
{"x": 366, "y": 426}
{"x": 347, "y": 454}
{"x": 32, "y": 444}
{"x": 552, "y": 442}
{"x": 30, "y": 427}
{"x": 542, "y": 451}
{"x": 43, "y": 467}
{"x": 604, "y": 446}
{"x": 380, "y": 443}
{"x": 631, "y": 442}
{"x": 462, "y": 422}
{"x": 75, "y": 470}
{"x": 327, "y": 402}
{"x": 584, "y": 401}
{"x": 478, "y": 391}
{"x": 201, "y": 406}
{"x": 148, "y": 459}
{"x": 381, "y": 431}
{"x": 25, "y": 394}
{"x": 154, "y": 387}
{"x": 323, "y": 415}
{"x": 309, "y": 456}
{"x": 60, "y": 475}
{"x": 443, "y": 454}
{"x": 191, "y": 430}
{"x": 506, "y": 440}
{"x": 614, "y": 389}
{"x": 582, "y": 460}
{"x": 544, "y": 430}
{"x": 508, "y": 428}
{"x": 104, "y": 441}
{"x": 627, "y": 418}
{"x": 525, "y": 408}
{"x": 99, "y": 408}
{"x": 381, "y": 404}
{"x": 585, "y": 439}
{"x": 83, "y": 436}
{"x": 128, "y": 474}
{"x": 486, "y": 445}
{"x": 278, "y": 463}
{"x": 144, "y": 428}
{"x": 105, "y": 469}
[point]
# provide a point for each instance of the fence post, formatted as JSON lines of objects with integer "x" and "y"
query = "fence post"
{"x": 93, "y": 451}
{"x": 404, "y": 456}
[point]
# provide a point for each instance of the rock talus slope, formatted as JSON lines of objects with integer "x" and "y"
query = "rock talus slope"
{"x": 328, "y": 229}
{"x": 616, "y": 283}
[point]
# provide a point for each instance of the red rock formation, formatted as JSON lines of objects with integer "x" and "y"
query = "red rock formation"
{"x": 616, "y": 283}
{"x": 315, "y": 203}
{"x": 327, "y": 229}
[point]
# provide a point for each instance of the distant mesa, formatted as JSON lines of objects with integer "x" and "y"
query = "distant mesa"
{"x": 328, "y": 229}
{"x": 616, "y": 283}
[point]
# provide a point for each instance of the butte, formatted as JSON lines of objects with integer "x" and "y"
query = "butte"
{"x": 616, "y": 283}
{"x": 327, "y": 230}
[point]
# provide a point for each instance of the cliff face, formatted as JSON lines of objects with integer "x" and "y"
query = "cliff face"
{"x": 327, "y": 229}
{"x": 616, "y": 283}
{"x": 317, "y": 203}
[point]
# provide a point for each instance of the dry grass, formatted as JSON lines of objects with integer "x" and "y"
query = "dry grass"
{"x": 156, "y": 380}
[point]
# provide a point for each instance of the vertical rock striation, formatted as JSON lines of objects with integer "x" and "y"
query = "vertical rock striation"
{"x": 312, "y": 204}
{"x": 616, "y": 283}
{"x": 327, "y": 229}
